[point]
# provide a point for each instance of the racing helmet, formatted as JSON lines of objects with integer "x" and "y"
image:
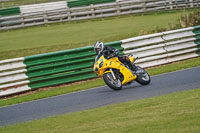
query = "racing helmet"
{"x": 98, "y": 47}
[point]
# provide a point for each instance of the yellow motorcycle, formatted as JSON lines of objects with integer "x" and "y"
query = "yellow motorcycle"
{"x": 116, "y": 74}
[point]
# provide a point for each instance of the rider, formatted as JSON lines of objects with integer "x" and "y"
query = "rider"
{"x": 110, "y": 52}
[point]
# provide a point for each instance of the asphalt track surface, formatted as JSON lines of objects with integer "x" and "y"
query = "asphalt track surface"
{"x": 101, "y": 96}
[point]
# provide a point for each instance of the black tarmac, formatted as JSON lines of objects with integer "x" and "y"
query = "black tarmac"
{"x": 101, "y": 96}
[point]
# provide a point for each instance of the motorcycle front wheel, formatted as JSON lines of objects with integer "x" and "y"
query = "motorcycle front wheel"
{"x": 113, "y": 84}
{"x": 143, "y": 78}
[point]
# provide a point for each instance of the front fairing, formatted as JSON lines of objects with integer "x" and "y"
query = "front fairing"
{"x": 102, "y": 65}
{"x": 99, "y": 66}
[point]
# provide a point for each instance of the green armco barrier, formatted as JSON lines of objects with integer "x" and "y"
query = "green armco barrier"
{"x": 58, "y": 56}
{"x": 9, "y": 11}
{"x": 196, "y": 31}
{"x": 65, "y": 54}
{"x": 62, "y": 66}
{"x": 78, "y": 3}
{"x": 61, "y": 79}
{"x": 59, "y": 69}
{"x": 61, "y": 63}
{"x": 116, "y": 44}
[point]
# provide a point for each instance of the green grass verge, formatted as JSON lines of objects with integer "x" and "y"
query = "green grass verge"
{"x": 61, "y": 36}
{"x": 172, "y": 113}
{"x": 95, "y": 83}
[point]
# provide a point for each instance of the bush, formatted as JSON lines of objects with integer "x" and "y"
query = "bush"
{"x": 189, "y": 20}
{"x": 186, "y": 20}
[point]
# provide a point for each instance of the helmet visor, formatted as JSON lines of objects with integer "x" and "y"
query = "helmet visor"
{"x": 98, "y": 50}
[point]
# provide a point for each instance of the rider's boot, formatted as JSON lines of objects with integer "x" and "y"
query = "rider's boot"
{"x": 135, "y": 68}
{"x": 132, "y": 66}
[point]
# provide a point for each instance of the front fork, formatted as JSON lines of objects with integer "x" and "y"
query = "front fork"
{"x": 113, "y": 75}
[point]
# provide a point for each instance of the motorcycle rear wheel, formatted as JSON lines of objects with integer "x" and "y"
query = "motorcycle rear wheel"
{"x": 113, "y": 84}
{"x": 143, "y": 78}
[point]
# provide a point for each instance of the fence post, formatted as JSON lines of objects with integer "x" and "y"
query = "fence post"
{"x": 22, "y": 18}
{"x": 92, "y": 10}
{"x": 144, "y": 6}
{"x": 118, "y": 8}
{"x": 45, "y": 17}
{"x": 191, "y": 3}
{"x": 61, "y": 18}
{"x": 0, "y": 21}
{"x": 171, "y": 4}
{"x": 68, "y": 14}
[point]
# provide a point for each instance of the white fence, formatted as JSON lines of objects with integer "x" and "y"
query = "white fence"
{"x": 44, "y": 7}
{"x": 162, "y": 48}
{"x": 59, "y": 12}
{"x": 13, "y": 78}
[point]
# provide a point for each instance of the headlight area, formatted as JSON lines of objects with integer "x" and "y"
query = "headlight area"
{"x": 96, "y": 69}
